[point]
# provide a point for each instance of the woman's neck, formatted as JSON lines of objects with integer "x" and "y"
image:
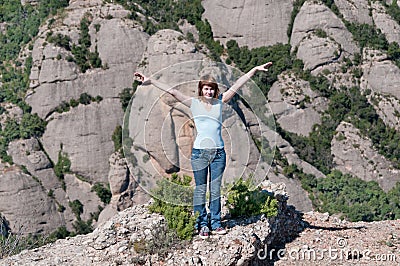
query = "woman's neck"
{"x": 207, "y": 100}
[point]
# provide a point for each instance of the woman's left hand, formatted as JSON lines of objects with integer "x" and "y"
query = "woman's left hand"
{"x": 263, "y": 67}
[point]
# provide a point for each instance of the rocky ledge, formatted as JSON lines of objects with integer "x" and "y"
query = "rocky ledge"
{"x": 122, "y": 241}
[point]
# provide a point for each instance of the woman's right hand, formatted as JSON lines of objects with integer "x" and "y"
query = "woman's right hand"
{"x": 142, "y": 78}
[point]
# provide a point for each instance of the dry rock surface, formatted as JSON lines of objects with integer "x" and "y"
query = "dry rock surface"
{"x": 351, "y": 243}
{"x": 306, "y": 240}
{"x": 122, "y": 241}
{"x": 84, "y": 132}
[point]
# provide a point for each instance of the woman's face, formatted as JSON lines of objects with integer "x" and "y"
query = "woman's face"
{"x": 208, "y": 92}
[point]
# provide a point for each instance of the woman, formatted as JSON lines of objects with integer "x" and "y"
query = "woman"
{"x": 208, "y": 154}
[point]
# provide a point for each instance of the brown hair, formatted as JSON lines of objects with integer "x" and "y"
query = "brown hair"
{"x": 210, "y": 81}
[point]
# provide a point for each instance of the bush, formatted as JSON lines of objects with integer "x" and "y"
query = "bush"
{"x": 85, "y": 98}
{"x": 353, "y": 198}
{"x": 126, "y": 94}
{"x": 243, "y": 200}
{"x": 179, "y": 218}
{"x": 102, "y": 192}
{"x": 117, "y": 138}
{"x": 63, "y": 165}
{"x": 76, "y": 207}
{"x": 82, "y": 227}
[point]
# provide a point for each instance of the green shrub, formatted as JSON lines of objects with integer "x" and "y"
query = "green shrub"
{"x": 82, "y": 227}
{"x": 117, "y": 138}
{"x": 85, "y": 98}
{"x": 63, "y": 165}
{"x": 14, "y": 243}
{"x": 82, "y": 55}
{"x": 178, "y": 218}
{"x": 76, "y": 207}
{"x": 353, "y": 198}
{"x": 59, "y": 40}
{"x": 146, "y": 158}
{"x": 244, "y": 200}
{"x": 102, "y": 192}
{"x": 127, "y": 93}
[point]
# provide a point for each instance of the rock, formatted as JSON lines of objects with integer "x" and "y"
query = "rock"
{"x": 80, "y": 190}
{"x": 313, "y": 16}
{"x": 387, "y": 108}
{"x": 27, "y": 152}
{"x": 12, "y": 111}
{"x": 232, "y": 19}
{"x": 118, "y": 177}
{"x": 316, "y": 51}
{"x": 381, "y": 77}
{"x": 84, "y": 133}
{"x": 26, "y": 205}
{"x": 355, "y": 11}
{"x": 296, "y": 107}
{"x": 124, "y": 235}
{"x": 385, "y": 23}
{"x": 353, "y": 154}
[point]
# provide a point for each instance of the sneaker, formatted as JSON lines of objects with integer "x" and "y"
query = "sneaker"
{"x": 220, "y": 231}
{"x": 204, "y": 232}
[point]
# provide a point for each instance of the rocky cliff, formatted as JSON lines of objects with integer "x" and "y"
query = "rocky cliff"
{"x": 33, "y": 195}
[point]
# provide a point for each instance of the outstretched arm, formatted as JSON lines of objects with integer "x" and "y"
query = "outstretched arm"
{"x": 186, "y": 100}
{"x": 228, "y": 95}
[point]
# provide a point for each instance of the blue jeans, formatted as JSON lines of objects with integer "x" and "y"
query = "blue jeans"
{"x": 205, "y": 161}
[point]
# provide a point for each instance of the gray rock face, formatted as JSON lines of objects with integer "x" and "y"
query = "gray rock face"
{"x": 353, "y": 154}
{"x": 355, "y": 11}
{"x": 387, "y": 107}
{"x": 120, "y": 46}
{"x": 118, "y": 176}
{"x": 28, "y": 153}
{"x": 297, "y": 196}
{"x": 82, "y": 191}
{"x": 380, "y": 75}
{"x": 316, "y": 51}
{"x": 389, "y": 27}
{"x": 12, "y": 111}
{"x": 26, "y": 204}
{"x": 124, "y": 187}
{"x": 166, "y": 48}
{"x": 252, "y": 23}
{"x": 296, "y": 107}
{"x": 85, "y": 135}
{"x": 313, "y": 16}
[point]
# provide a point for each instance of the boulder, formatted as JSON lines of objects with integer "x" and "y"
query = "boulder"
{"x": 124, "y": 237}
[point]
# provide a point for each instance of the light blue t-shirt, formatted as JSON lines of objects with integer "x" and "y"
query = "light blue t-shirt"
{"x": 208, "y": 124}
